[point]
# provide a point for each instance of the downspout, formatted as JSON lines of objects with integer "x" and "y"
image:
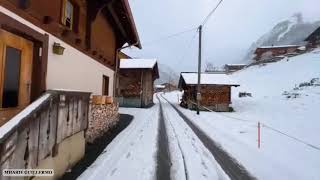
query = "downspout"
{"x": 116, "y": 77}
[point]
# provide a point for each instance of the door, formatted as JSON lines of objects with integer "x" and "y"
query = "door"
{"x": 16, "y": 55}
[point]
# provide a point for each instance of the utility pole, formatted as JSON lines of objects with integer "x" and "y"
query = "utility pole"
{"x": 199, "y": 71}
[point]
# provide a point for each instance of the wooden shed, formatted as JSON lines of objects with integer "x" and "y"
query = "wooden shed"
{"x": 234, "y": 67}
{"x": 269, "y": 52}
{"x": 215, "y": 90}
{"x": 136, "y": 82}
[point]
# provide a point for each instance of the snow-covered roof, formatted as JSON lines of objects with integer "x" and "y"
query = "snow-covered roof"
{"x": 280, "y": 46}
{"x": 160, "y": 86}
{"x": 208, "y": 79}
{"x": 137, "y": 63}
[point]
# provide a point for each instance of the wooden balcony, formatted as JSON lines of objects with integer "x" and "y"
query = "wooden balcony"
{"x": 35, "y": 133}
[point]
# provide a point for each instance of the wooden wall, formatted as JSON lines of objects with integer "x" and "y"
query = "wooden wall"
{"x": 210, "y": 95}
{"x": 103, "y": 39}
{"x": 275, "y": 51}
{"x": 130, "y": 84}
{"x": 47, "y": 16}
{"x": 147, "y": 88}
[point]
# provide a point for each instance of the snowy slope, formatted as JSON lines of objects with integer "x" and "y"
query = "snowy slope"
{"x": 291, "y": 31}
{"x": 280, "y": 156}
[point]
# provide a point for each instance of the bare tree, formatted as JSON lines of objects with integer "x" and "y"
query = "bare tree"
{"x": 211, "y": 68}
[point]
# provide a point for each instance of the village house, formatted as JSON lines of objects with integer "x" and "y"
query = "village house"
{"x": 169, "y": 86}
{"x": 159, "y": 88}
{"x": 234, "y": 67}
{"x": 54, "y": 56}
{"x": 313, "y": 40}
{"x": 269, "y": 52}
{"x": 165, "y": 87}
{"x": 215, "y": 89}
{"x": 136, "y": 82}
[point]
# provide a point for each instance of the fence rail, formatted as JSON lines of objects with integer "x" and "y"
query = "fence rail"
{"x": 33, "y": 134}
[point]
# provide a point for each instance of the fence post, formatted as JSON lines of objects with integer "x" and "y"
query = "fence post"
{"x": 259, "y": 140}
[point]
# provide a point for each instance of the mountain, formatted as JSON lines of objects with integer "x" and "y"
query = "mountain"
{"x": 288, "y": 32}
{"x": 167, "y": 74}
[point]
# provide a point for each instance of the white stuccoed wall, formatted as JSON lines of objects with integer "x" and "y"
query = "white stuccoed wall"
{"x": 73, "y": 70}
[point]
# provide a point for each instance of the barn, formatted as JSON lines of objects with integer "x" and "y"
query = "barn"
{"x": 269, "y": 52}
{"x": 136, "y": 82}
{"x": 215, "y": 89}
{"x": 234, "y": 67}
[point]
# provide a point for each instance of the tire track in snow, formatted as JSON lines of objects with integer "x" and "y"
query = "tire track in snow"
{"x": 231, "y": 166}
{"x": 163, "y": 155}
{"x": 191, "y": 159}
{"x": 179, "y": 146}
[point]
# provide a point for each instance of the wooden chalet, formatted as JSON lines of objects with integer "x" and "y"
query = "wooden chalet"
{"x": 136, "y": 82}
{"x": 234, "y": 67}
{"x": 47, "y": 47}
{"x": 269, "y": 52}
{"x": 313, "y": 40}
{"x": 169, "y": 86}
{"x": 159, "y": 88}
{"x": 215, "y": 90}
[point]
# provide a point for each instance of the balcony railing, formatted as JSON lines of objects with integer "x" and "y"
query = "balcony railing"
{"x": 35, "y": 132}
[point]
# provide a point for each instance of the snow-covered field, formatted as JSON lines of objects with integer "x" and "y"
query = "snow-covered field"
{"x": 279, "y": 157}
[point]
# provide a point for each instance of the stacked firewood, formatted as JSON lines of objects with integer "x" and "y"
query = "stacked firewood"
{"x": 102, "y": 119}
{"x": 131, "y": 90}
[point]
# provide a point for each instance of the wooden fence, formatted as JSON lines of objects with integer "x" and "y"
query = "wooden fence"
{"x": 34, "y": 134}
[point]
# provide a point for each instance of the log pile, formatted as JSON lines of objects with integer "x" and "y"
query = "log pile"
{"x": 131, "y": 90}
{"x": 102, "y": 119}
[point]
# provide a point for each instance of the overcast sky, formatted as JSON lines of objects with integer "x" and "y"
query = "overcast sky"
{"x": 226, "y": 36}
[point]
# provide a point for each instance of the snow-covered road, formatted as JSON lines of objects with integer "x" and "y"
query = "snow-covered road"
{"x": 189, "y": 157}
{"x": 158, "y": 144}
{"x": 131, "y": 155}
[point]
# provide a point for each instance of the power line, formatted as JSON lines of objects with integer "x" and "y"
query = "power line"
{"x": 268, "y": 127}
{"x": 292, "y": 137}
{"x": 169, "y": 36}
{"x": 210, "y": 14}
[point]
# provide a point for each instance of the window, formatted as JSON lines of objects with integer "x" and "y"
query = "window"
{"x": 70, "y": 14}
{"x": 10, "y": 96}
{"x": 105, "y": 86}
